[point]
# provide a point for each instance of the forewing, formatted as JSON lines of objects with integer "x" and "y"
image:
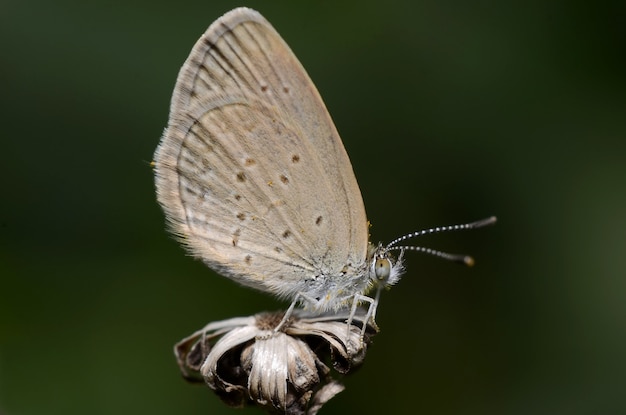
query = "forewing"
{"x": 251, "y": 171}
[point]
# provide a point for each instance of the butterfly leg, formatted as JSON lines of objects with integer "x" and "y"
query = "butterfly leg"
{"x": 300, "y": 297}
{"x": 370, "y": 315}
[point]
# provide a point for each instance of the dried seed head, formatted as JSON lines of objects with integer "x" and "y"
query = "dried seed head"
{"x": 246, "y": 362}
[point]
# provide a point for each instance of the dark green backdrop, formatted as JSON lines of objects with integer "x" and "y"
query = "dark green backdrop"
{"x": 450, "y": 111}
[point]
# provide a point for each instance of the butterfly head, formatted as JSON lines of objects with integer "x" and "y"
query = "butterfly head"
{"x": 385, "y": 270}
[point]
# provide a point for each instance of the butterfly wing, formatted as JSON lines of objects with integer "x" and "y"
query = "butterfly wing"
{"x": 251, "y": 172}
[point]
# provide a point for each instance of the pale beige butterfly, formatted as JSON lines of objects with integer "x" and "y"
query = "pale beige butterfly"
{"x": 255, "y": 181}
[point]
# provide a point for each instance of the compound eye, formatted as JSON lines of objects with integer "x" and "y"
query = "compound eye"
{"x": 382, "y": 268}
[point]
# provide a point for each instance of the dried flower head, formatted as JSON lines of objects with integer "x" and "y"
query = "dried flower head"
{"x": 247, "y": 362}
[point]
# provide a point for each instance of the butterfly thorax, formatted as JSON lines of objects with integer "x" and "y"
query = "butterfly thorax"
{"x": 333, "y": 291}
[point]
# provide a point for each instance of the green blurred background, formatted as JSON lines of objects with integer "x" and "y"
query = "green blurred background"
{"x": 450, "y": 111}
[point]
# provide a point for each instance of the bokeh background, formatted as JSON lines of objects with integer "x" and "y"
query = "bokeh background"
{"x": 450, "y": 111}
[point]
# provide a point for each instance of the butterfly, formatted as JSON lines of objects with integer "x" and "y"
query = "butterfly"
{"x": 254, "y": 179}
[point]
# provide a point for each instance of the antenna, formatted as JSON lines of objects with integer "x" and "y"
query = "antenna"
{"x": 465, "y": 259}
